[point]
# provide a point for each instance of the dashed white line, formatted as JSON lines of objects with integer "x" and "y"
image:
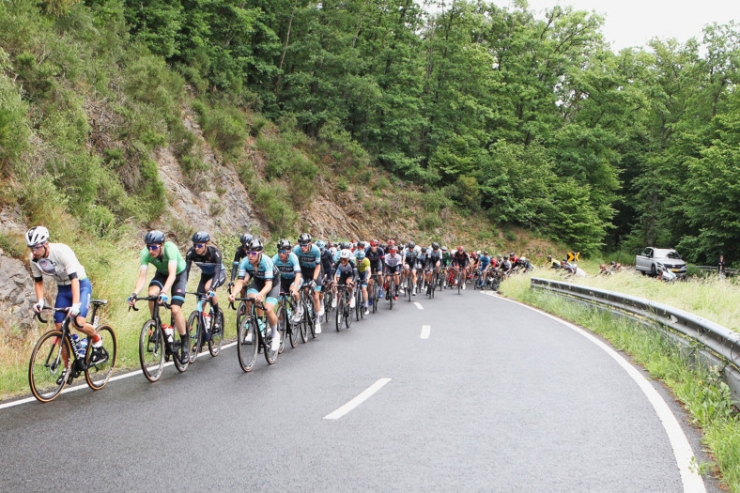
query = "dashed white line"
{"x": 418, "y": 305}
{"x": 425, "y": 330}
{"x": 365, "y": 395}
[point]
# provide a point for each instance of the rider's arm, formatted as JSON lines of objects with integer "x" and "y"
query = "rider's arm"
{"x": 218, "y": 259}
{"x": 188, "y": 262}
{"x": 171, "y": 276}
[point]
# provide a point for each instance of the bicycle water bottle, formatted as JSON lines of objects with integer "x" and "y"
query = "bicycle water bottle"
{"x": 77, "y": 346}
{"x": 207, "y": 321}
{"x": 261, "y": 325}
{"x": 169, "y": 332}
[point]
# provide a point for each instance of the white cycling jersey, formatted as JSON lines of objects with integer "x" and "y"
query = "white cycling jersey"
{"x": 392, "y": 260}
{"x": 60, "y": 264}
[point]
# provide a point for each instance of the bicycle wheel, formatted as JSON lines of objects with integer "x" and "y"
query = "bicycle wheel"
{"x": 98, "y": 374}
{"x": 308, "y": 317}
{"x": 282, "y": 326}
{"x": 409, "y": 287}
{"x": 391, "y": 292}
{"x": 340, "y": 312}
{"x": 476, "y": 281}
{"x": 293, "y": 327}
{"x": 459, "y": 280}
{"x": 195, "y": 329}
{"x": 182, "y": 366}
{"x": 348, "y": 313}
{"x": 375, "y": 295}
{"x": 217, "y": 334}
{"x": 247, "y": 341}
{"x": 358, "y": 303}
{"x": 47, "y": 369}
{"x": 302, "y": 326}
{"x": 151, "y": 350}
{"x": 270, "y": 355}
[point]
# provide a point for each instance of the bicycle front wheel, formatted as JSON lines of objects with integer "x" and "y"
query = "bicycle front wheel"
{"x": 375, "y": 295}
{"x": 181, "y": 365}
{"x": 308, "y": 317}
{"x": 247, "y": 341}
{"x": 151, "y": 350}
{"x": 195, "y": 329}
{"x": 47, "y": 369}
{"x": 339, "y": 318}
{"x": 270, "y": 355}
{"x": 217, "y": 334}
{"x": 293, "y": 327}
{"x": 98, "y": 373}
{"x": 282, "y": 326}
{"x": 348, "y": 314}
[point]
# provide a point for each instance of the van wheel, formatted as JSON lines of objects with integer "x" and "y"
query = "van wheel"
{"x": 652, "y": 271}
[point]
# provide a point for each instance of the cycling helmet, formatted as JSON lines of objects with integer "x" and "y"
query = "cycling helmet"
{"x": 374, "y": 242}
{"x": 478, "y": 252}
{"x": 435, "y": 246}
{"x": 284, "y": 245}
{"x": 304, "y": 238}
{"x": 344, "y": 246}
{"x": 246, "y": 239}
{"x": 411, "y": 245}
{"x": 345, "y": 254}
{"x": 485, "y": 253}
{"x": 444, "y": 248}
{"x": 391, "y": 243}
{"x": 360, "y": 254}
{"x": 320, "y": 244}
{"x": 256, "y": 245}
{"x": 155, "y": 237}
{"x": 37, "y": 235}
{"x": 393, "y": 249}
{"x": 613, "y": 262}
{"x": 512, "y": 254}
{"x": 460, "y": 249}
{"x": 201, "y": 237}
{"x": 549, "y": 257}
{"x": 362, "y": 244}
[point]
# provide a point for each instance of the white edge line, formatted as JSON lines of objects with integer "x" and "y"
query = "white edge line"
{"x": 425, "y": 330}
{"x": 365, "y": 395}
{"x": 418, "y": 305}
{"x": 692, "y": 481}
{"x": 112, "y": 379}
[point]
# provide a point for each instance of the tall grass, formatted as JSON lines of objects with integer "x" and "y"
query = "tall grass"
{"x": 702, "y": 392}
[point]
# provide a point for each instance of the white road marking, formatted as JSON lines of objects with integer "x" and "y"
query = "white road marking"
{"x": 365, "y": 395}
{"x": 418, "y": 305}
{"x": 425, "y": 330}
{"x": 67, "y": 390}
{"x": 692, "y": 481}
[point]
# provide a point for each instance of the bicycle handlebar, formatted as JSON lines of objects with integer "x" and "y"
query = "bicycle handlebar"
{"x": 47, "y": 307}
{"x": 148, "y": 298}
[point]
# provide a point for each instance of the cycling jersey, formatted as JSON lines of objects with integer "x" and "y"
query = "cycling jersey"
{"x": 434, "y": 256}
{"x": 309, "y": 258}
{"x": 461, "y": 259}
{"x": 61, "y": 264}
{"x": 446, "y": 259}
{"x": 345, "y": 272}
{"x": 210, "y": 264}
{"x": 289, "y": 268}
{"x": 168, "y": 253}
{"x": 375, "y": 257}
{"x": 327, "y": 263}
{"x": 484, "y": 261}
{"x": 265, "y": 270}
{"x": 363, "y": 265}
{"x": 392, "y": 260}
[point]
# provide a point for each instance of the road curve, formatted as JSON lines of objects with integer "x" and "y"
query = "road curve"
{"x": 459, "y": 393}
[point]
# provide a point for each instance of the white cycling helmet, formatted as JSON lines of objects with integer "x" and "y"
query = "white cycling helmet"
{"x": 37, "y": 235}
{"x": 345, "y": 254}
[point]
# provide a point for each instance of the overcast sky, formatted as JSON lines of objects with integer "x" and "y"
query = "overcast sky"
{"x": 635, "y": 22}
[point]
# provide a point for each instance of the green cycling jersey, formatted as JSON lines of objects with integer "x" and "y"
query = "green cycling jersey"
{"x": 170, "y": 253}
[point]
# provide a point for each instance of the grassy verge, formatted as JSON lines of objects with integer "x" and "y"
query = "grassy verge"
{"x": 701, "y": 391}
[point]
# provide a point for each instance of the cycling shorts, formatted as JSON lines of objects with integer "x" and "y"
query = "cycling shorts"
{"x": 64, "y": 299}
{"x": 178, "y": 287}
{"x": 364, "y": 276}
{"x": 256, "y": 286}
{"x": 393, "y": 269}
{"x": 285, "y": 284}
{"x": 205, "y": 278}
{"x": 307, "y": 273}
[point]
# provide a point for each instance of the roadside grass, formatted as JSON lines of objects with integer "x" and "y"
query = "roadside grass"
{"x": 710, "y": 297}
{"x": 705, "y": 396}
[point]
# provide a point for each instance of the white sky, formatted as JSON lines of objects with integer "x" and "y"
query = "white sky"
{"x": 635, "y": 22}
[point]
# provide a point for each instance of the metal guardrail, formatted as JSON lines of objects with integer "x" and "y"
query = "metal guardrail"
{"x": 713, "y": 268}
{"x": 716, "y": 345}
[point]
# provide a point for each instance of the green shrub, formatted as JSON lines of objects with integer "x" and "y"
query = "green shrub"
{"x": 430, "y": 222}
{"x": 381, "y": 184}
{"x": 342, "y": 185}
{"x": 272, "y": 202}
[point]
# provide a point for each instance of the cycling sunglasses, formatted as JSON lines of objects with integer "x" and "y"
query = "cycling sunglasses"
{"x": 254, "y": 253}
{"x": 199, "y": 245}
{"x": 283, "y": 251}
{"x": 153, "y": 247}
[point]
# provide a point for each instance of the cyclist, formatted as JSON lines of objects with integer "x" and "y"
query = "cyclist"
{"x": 410, "y": 256}
{"x": 484, "y": 261}
{"x": 309, "y": 257}
{"x": 363, "y": 271}
{"x": 212, "y": 271}
{"x": 74, "y": 289}
{"x": 460, "y": 261}
{"x": 552, "y": 264}
{"x": 433, "y": 263}
{"x": 327, "y": 270}
{"x": 258, "y": 271}
{"x": 346, "y": 274}
{"x": 375, "y": 255}
{"x": 290, "y": 274}
{"x": 239, "y": 255}
{"x": 393, "y": 263}
{"x": 171, "y": 277}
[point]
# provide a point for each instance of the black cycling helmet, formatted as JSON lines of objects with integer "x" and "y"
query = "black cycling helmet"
{"x": 256, "y": 245}
{"x": 201, "y": 237}
{"x": 411, "y": 245}
{"x": 284, "y": 244}
{"x": 512, "y": 254}
{"x": 435, "y": 246}
{"x": 246, "y": 239}
{"x": 155, "y": 237}
{"x": 344, "y": 246}
{"x": 304, "y": 238}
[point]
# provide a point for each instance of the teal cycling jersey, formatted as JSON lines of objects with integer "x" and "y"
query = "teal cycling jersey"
{"x": 289, "y": 268}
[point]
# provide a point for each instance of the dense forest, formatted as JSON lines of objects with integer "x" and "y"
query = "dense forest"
{"x": 530, "y": 118}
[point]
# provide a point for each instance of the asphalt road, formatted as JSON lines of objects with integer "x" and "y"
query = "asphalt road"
{"x": 497, "y": 397}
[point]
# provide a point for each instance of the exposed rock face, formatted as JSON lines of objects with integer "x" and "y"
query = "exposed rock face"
{"x": 16, "y": 292}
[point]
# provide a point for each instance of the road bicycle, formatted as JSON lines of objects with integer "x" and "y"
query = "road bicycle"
{"x": 286, "y": 312}
{"x": 155, "y": 347}
{"x": 251, "y": 337}
{"x": 409, "y": 285}
{"x": 344, "y": 310}
{"x": 390, "y": 288}
{"x": 374, "y": 293}
{"x": 359, "y": 299}
{"x": 326, "y": 300}
{"x": 477, "y": 282}
{"x": 205, "y": 326}
{"x": 308, "y": 313}
{"x": 51, "y": 368}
